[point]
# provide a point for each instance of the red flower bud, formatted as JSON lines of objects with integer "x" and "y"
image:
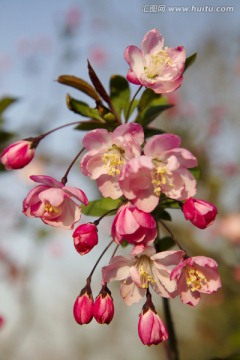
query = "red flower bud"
{"x": 85, "y": 237}
{"x": 18, "y": 155}
{"x": 103, "y": 308}
{"x": 83, "y": 307}
{"x": 201, "y": 213}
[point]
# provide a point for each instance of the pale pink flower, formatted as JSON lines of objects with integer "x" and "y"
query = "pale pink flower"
{"x": 18, "y": 155}
{"x": 151, "y": 328}
{"x": 83, "y": 306}
{"x": 137, "y": 273}
{"x": 155, "y": 66}
{"x": 107, "y": 153}
{"x": 229, "y": 228}
{"x": 134, "y": 226}
{"x": 53, "y": 202}
{"x": 163, "y": 169}
{"x": 201, "y": 213}
{"x": 103, "y": 308}
{"x": 85, "y": 237}
{"x": 194, "y": 276}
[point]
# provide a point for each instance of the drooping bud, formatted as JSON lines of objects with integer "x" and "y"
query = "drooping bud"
{"x": 85, "y": 237}
{"x": 151, "y": 329}
{"x": 83, "y": 306}
{"x": 103, "y": 308}
{"x": 18, "y": 154}
{"x": 201, "y": 213}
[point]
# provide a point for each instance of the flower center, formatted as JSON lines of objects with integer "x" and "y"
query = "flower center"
{"x": 113, "y": 160}
{"x": 144, "y": 268}
{"x": 195, "y": 279}
{"x": 158, "y": 62}
{"x": 52, "y": 210}
{"x": 160, "y": 177}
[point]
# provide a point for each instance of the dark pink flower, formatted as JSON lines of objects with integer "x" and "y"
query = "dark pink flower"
{"x": 103, "y": 308}
{"x": 194, "y": 276}
{"x": 18, "y": 155}
{"x": 53, "y": 202}
{"x": 201, "y": 213}
{"x": 134, "y": 226}
{"x": 85, "y": 237}
{"x": 83, "y": 307}
{"x": 155, "y": 66}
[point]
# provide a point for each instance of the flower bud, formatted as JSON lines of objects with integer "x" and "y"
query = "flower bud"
{"x": 2, "y": 321}
{"x": 83, "y": 307}
{"x": 151, "y": 329}
{"x": 201, "y": 213}
{"x": 18, "y": 155}
{"x": 103, "y": 308}
{"x": 85, "y": 237}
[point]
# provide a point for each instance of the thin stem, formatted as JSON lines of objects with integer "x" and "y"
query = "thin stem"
{"x": 131, "y": 103}
{"x": 96, "y": 222}
{"x": 64, "y": 178}
{"x": 100, "y": 257}
{"x": 172, "y": 340}
{"x": 171, "y": 234}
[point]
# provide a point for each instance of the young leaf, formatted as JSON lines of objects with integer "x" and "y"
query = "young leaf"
{"x": 5, "y": 102}
{"x": 119, "y": 93}
{"x": 98, "y": 85}
{"x": 190, "y": 60}
{"x": 79, "y": 84}
{"x": 150, "y": 131}
{"x": 151, "y": 113}
{"x": 161, "y": 214}
{"x": 93, "y": 124}
{"x": 82, "y": 108}
{"x": 101, "y": 207}
{"x": 147, "y": 97}
{"x": 164, "y": 243}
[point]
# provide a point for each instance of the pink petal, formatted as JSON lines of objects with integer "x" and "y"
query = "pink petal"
{"x": 46, "y": 180}
{"x": 158, "y": 144}
{"x": 109, "y": 187}
{"x": 152, "y": 42}
{"x": 134, "y": 57}
{"x": 131, "y": 293}
{"x": 118, "y": 269}
{"x": 54, "y": 196}
{"x": 97, "y": 139}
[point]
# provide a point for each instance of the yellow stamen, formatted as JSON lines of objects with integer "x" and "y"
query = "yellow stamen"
{"x": 144, "y": 268}
{"x": 160, "y": 177}
{"x": 113, "y": 160}
{"x": 158, "y": 62}
{"x": 195, "y": 279}
{"x": 51, "y": 209}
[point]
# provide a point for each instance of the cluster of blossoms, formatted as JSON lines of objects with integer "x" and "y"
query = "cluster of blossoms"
{"x": 142, "y": 175}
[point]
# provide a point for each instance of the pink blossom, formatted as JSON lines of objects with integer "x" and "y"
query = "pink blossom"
{"x": 229, "y": 228}
{"x": 137, "y": 272}
{"x": 201, "y": 213}
{"x": 163, "y": 169}
{"x": 107, "y": 152}
{"x": 134, "y": 226}
{"x": 194, "y": 276}
{"x": 83, "y": 307}
{"x": 103, "y": 308}
{"x": 151, "y": 328}
{"x": 155, "y": 66}
{"x": 85, "y": 238}
{"x": 2, "y": 322}
{"x": 18, "y": 155}
{"x": 53, "y": 202}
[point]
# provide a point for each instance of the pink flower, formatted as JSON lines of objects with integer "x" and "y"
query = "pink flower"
{"x": 83, "y": 307}
{"x": 201, "y": 213}
{"x": 154, "y": 66}
{"x": 163, "y": 169}
{"x": 194, "y": 276}
{"x": 134, "y": 226}
{"x": 2, "y": 322}
{"x": 85, "y": 237}
{"x": 136, "y": 273}
{"x": 107, "y": 152}
{"x": 52, "y": 202}
{"x": 18, "y": 155}
{"x": 229, "y": 228}
{"x": 103, "y": 308}
{"x": 151, "y": 329}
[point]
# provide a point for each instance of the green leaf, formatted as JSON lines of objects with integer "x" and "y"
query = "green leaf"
{"x": 79, "y": 84}
{"x": 150, "y": 131}
{"x": 231, "y": 357}
{"x": 82, "y": 108}
{"x": 164, "y": 243}
{"x": 5, "y": 136}
{"x": 91, "y": 125}
{"x": 190, "y": 60}
{"x": 151, "y": 113}
{"x": 119, "y": 93}
{"x": 195, "y": 172}
{"x": 5, "y": 102}
{"x": 101, "y": 207}
{"x": 161, "y": 214}
{"x": 146, "y": 99}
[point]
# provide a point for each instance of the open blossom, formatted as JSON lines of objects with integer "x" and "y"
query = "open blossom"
{"x": 154, "y": 66}
{"x": 137, "y": 273}
{"x": 107, "y": 153}
{"x": 85, "y": 237}
{"x": 151, "y": 328}
{"x": 201, "y": 213}
{"x": 53, "y": 202}
{"x": 134, "y": 226}
{"x": 194, "y": 276}
{"x": 163, "y": 169}
{"x": 18, "y": 155}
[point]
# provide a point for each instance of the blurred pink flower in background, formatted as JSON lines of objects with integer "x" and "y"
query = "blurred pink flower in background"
{"x": 229, "y": 228}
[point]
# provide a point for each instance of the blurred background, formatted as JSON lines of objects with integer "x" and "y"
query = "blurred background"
{"x": 40, "y": 272}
